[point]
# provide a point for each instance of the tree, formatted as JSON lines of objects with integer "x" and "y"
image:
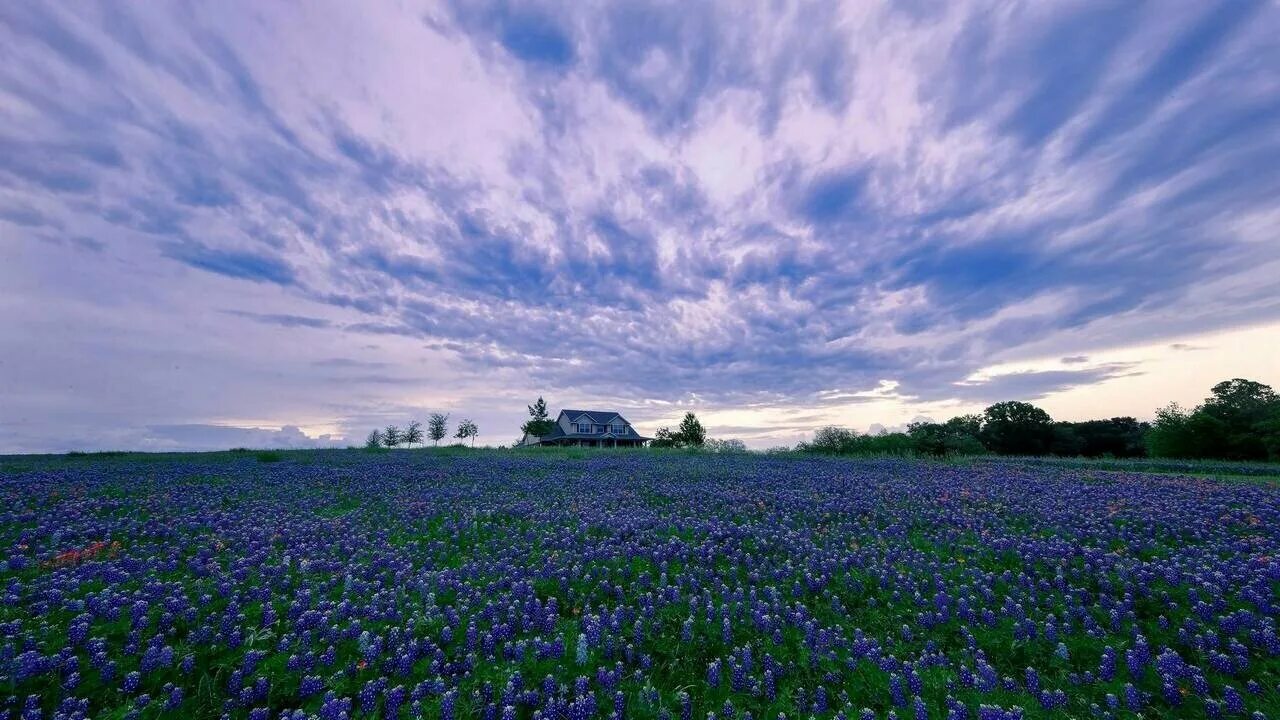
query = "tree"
{"x": 1269, "y": 429}
{"x": 1016, "y": 428}
{"x": 412, "y": 434}
{"x": 957, "y": 436}
{"x": 374, "y": 441}
{"x": 391, "y": 437}
{"x": 927, "y": 437}
{"x": 970, "y": 425}
{"x": 726, "y": 446}
{"x": 539, "y": 422}
{"x": 1238, "y": 421}
{"x": 1065, "y": 440}
{"x": 1121, "y": 437}
{"x": 832, "y": 439}
{"x": 437, "y": 427}
{"x": 691, "y": 433}
{"x": 663, "y": 438}
{"x": 837, "y": 440}
{"x": 467, "y": 429}
{"x": 1239, "y": 399}
{"x": 1173, "y": 434}
{"x": 1239, "y": 406}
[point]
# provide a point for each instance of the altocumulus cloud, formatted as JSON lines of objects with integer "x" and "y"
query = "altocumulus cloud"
{"x": 736, "y": 203}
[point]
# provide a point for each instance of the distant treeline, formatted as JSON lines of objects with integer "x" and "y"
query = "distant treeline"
{"x": 1240, "y": 420}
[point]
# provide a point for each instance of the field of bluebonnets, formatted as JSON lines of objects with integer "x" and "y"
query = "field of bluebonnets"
{"x": 631, "y": 585}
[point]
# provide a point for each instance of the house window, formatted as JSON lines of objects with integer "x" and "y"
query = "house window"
{"x": 618, "y": 429}
{"x": 584, "y": 428}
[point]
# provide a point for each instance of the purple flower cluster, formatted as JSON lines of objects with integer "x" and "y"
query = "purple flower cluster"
{"x": 505, "y": 586}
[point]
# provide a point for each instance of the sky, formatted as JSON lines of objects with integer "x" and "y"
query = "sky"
{"x": 283, "y": 224}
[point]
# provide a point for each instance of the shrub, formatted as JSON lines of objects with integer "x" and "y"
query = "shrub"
{"x": 725, "y": 446}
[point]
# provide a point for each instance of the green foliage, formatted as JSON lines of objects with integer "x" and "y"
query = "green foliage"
{"x": 374, "y": 441}
{"x": 664, "y": 438}
{"x": 268, "y": 456}
{"x": 1240, "y": 420}
{"x": 412, "y": 434}
{"x": 539, "y": 422}
{"x": 1243, "y": 409}
{"x": 1065, "y": 440}
{"x": 834, "y": 440}
{"x": 894, "y": 443}
{"x": 690, "y": 433}
{"x": 1119, "y": 437}
{"x": 1017, "y": 428}
{"x": 1269, "y": 430}
{"x": 437, "y": 427}
{"x": 725, "y": 446}
{"x": 1171, "y": 434}
{"x": 467, "y": 429}
{"x": 391, "y": 436}
{"x": 957, "y": 436}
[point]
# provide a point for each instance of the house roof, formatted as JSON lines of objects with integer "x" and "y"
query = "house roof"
{"x": 597, "y": 416}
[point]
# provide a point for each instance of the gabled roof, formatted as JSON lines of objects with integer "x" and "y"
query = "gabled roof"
{"x": 599, "y": 417}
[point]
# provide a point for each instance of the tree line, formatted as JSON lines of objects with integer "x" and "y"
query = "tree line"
{"x": 392, "y": 436}
{"x": 1240, "y": 420}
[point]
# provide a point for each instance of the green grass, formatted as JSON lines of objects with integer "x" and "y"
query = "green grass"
{"x": 1215, "y": 469}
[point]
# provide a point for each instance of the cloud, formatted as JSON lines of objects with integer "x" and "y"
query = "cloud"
{"x": 26, "y": 216}
{"x": 536, "y": 39}
{"x": 282, "y": 319}
{"x": 640, "y": 202}
{"x": 246, "y": 265}
{"x": 1035, "y": 384}
{"x": 831, "y": 197}
{"x": 222, "y": 437}
{"x": 57, "y": 37}
{"x": 1065, "y": 64}
{"x": 342, "y": 362}
{"x": 1179, "y": 61}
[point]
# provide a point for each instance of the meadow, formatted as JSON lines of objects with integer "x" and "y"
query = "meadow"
{"x": 503, "y": 585}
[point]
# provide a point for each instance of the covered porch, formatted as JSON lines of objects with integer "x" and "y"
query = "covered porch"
{"x": 605, "y": 442}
